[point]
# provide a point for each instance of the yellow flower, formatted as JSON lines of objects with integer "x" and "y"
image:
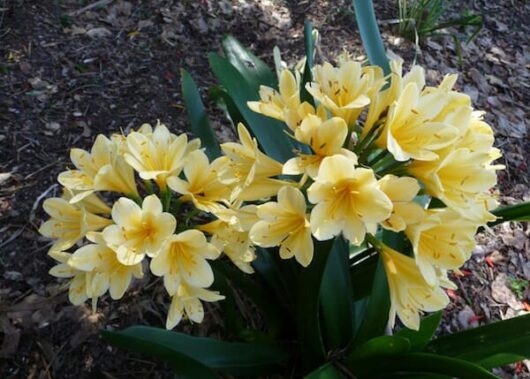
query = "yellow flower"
{"x": 344, "y": 90}
{"x": 326, "y": 138}
{"x": 91, "y": 203}
{"x": 249, "y": 170}
{"x": 158, "y": 155}
{"x": 187, "y": 301}
{"x": 412, "y": 130}
{"x": 443, "y": 239}
{"x": 410, "y": 294}
{"x": 138, "y": 231}
{"x": 401, "y": 191}
{"x": 183, "y": 258}
{"x": 108, "y": 273}
{"x": 77, "y": 287}
{"x": 100, "y": 170}
{"x": 284, "y": 223}
{"x": 273, "y": 103}
{"x": 347, "y": 200}
{"x": 68, "y": 223}
{"x": 202, "y": 184}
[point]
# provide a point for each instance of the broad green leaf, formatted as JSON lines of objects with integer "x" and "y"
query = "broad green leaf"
{"x": 225, "y": 102}
{"x": 411, "y": 364}
{"x": 327, "y": 371}
{"x": 381, "y": 346}
{"x": 516, "y": 212}
{"x": 336, "y": 298}
{"x": 362, "y": 276}
{"x": 235, "y": 358}
{"x": 309, "y": 43}
{"x": 232, "y": 318}
{"x": 307, "y": 307}
{"x": 370, "y": 36}
{"x": 491, "y": 345}
{"x": 253, "y": 70}
{"x": 271, "y": 134}
{"x": 197, "y": 116}
{"x": 420, "y": 338}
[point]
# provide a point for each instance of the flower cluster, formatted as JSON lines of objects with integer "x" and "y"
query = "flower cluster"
{"x": 374, "y": 153}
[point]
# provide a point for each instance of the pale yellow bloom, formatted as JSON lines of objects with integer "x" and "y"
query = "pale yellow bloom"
{"x": 68, "y": 223}
{"x": 401, "y": 191}
{"x": 202, "y": 185}
{"x": 284, "y": 223}
{"x": 108, "y": 273}
{"x": 345, "y": 90}
{"x": 100, "y": 170}
{"x": 250, "y": 171}
{"x": 410, "y": 294}
{"x": 183, "y": 258}
{"x": 77, "y": 286}
{"x": 91, "y": 203}
{"x": 187, "y": 301}
{"x": 347, "y": 200}
{"x": 443, "y": 239}
{"x": 138, "y": 231}
{"x": 325, "y": 138}
{"x": 156, "y": 156}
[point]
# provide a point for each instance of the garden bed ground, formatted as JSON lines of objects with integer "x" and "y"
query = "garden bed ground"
{"x": 69, "y": 70}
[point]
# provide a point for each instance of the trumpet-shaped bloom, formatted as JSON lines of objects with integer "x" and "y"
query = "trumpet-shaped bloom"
{"x": 138, "y": 231}
{"x": 326, "y": 138}
{"x": 77, "y": 286}
{"x": 158, "y": 155}
{"x": 183, "y": 258}
{"x": 187, "y": 301}
{"x": 443, "y": 240}
{"x": 92, "y": 203}
{"x": 410, "y": 294}
{"x": 249, "y": 170}
{"x": 344, "y": 90}
{"x": 108, "y": 273}
{"x": 401, "y": 191}
{"x": 202, "y": 185}
{"x": 411, "y": 128}
{"x": 284, "y": 223}
{"x": 347, "y": 200}
{"x": 68, "y": 223}
{"x": 100, "y": 170}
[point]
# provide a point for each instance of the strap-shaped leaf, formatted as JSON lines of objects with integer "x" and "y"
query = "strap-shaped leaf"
{"x": 376, "y": 367}
{"x": 516, "y": 212}
{"x": 225, "y": 102}
{"x": 254, "y": 71}
{"x": 197, "y": 116}
{"x": 336, "y": 298}
{"x": 327, "y": 371}
{"x": 234, "y": 358}
{"x": 309, "y": 43}
{"x": 362, "y": 276}
{"x": 491, "y": 345}
{"x": 270, "y": 133}
{"x": 381, "y": 346}
{"x": 232, "y": 319}
{"x": 420, "y": 338}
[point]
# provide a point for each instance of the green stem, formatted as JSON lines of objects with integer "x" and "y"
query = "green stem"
{"x": 378, "y": 245}
{"x": 149, "y": 187}
{"x": 166, "y": 200}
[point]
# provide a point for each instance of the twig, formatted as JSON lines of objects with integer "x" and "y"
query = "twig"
{"x": 37, "y": 201}
{"x": 100, "y": 3}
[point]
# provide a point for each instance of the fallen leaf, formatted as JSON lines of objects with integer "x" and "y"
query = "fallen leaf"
{"x": 504, "y": 295}
{"x": 100, "y": 32}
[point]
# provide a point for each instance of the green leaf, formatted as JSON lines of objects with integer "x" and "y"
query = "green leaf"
{"x": 232, "y": 318}
{"x": 225, "y": 102}
{"x": 516, "y": 212}
{"x": 309, "y": 43}
{"x": 327, "y": 371}
{"x": 381, "y": 346}
{"x": 372, "y": 42}
{"x": 234, "y": 358}
{"x": 420, "y": 338}
{"x": 491, "y": 345}
{"x": 197, "y": 116}
{"x": 270, "y": 133}
{"x": 362, "y": 276}
{"x": 376, "y": 367}
{"x": 254, "y": 71}
{"x": 336, "y": 297}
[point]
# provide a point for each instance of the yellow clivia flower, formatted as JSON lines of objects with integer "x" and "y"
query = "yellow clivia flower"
{"x": 401, "y": 191}
{"x": 77, "y": 286}
{"x": 442, "y": 240}
{"x": 284, "y": 223}
{"x": 347, "y": 200}
{"x": 108, "y": 273}
{"x": 157, "y": 155}
{"x": 68, "y": 223}
{"x": 250, "y": 171}
{"x": 202, "y": 185}
{"x": 91, "y": 203}
{"x": 410, "y": 294}
{"x": 326, "y": 138}
{"x": 187, "y": 300}
{"x": 138, "y": 231}
{"x": 184, "y": 258}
